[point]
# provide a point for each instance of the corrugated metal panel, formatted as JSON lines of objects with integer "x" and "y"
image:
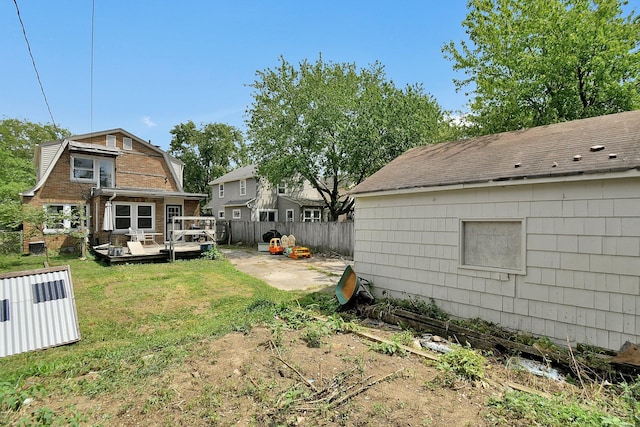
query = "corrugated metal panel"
{"x": 37, "y": 310}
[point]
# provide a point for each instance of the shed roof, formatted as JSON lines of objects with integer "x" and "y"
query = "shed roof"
{"x": 543, "y": 151}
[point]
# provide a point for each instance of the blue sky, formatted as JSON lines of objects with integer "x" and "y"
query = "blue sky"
{"x": 160, "y": 63}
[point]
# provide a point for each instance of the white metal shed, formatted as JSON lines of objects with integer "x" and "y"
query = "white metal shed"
{"x": 37, "y": 310}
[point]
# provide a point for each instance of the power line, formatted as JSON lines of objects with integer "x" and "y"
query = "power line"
{"x": 93, "y": 14}
{"x": 33, "y": 61}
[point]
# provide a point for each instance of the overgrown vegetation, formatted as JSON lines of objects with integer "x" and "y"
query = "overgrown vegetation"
{"x": 141, "y": 322}
{"x": 462, "y": 363}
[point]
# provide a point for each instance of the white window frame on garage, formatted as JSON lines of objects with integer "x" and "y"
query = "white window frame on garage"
{"x": 290, "y": 215}
{"x": 237, "y": 214}
{"x": 499, "y": 243}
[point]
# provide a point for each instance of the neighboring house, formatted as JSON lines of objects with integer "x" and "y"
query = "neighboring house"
{"x": 535, "y": 230}
{"x": 83, "y": 172}
{"x": 241, "y": 195}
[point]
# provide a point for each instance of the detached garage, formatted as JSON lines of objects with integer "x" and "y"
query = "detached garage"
{"x": 37, "y": 310}
{"x": 536, "y": 230}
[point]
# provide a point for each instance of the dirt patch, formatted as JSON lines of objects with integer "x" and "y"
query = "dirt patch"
{"x": 240, "y": 379}
{"x": 284, "y": 273}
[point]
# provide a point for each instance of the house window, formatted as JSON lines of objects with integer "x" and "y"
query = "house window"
{"x": 282, "y": 188}
{"x": 140, "y": 216}
{"x": 127, "y": 143}
{"x": 98, "y": 171}
{"x": 311, "y": 215}
{"x": 220, "y": 214}
{"x": 243, "y": 187}
{"x": 497, "y": 245}
{"x": 111, "y": 141}
{"x": 106, "y": 173}
{"x": 221, "y": 190}
{"x": 82, "y": 168}
{"x": 289, "y": 215}
{"x": 65, "y": 217}
{"x": 4, "y": 310}
{"x": 268, "y": 215}
{"x": 237, "y": 214}
{"x": 48, "y": 291}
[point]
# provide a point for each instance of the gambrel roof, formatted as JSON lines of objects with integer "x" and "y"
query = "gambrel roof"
{"x": 46, "y": 162}
{"x": 596, "y": 145}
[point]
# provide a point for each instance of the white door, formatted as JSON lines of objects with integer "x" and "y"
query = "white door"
{"x": 171, "y": 212}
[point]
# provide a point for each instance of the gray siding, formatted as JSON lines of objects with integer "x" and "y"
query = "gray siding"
{"x": 582, "y": 256}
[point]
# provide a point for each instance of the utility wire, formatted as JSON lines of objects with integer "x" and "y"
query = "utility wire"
{"x": 33, "y": 61}
{"x": 93, "y": 14}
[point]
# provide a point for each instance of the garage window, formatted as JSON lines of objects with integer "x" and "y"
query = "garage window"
{"x": 497, "y": 245}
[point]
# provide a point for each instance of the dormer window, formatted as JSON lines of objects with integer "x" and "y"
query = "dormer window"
{"x": 282, "y": 188}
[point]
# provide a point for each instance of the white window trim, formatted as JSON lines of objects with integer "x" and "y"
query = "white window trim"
{"x": 96, "y": 170}
{"x": 237, "y": 214}
{"x": 221, "y": 190}
{"x": 220, "y": 214}
{"x": 134, "y": 217}
{"x": 243, "y": 187}
{"x": 127, "y": 143}
{"x": 292, "y": 219}
{"x": 282, "y": 188}
{"x": 306, "y": 218}
{"x": 66, "y": 223}
{"x": 523, "y": 246}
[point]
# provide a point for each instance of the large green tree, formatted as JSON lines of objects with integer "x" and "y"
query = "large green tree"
{"x": 207, "y": 152}
{"x": 535, "y": 62}
{"x": 18, "y": 139}
{"x": 333, "y": 125}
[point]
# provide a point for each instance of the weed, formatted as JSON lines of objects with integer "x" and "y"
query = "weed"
{"x": 212, "y": 253}
{"x": 314, "y": 334}
{"x": 394, "y": 346}
{"x": 379, "y": 409}
{"x": 323, "y": 302}
{"x": 462, "y": 362}
{"x": 390, "y": 347}
{"x": 404, "y": 338}
{"x": 631, "y": 398}
{"x": 530, "y": 409}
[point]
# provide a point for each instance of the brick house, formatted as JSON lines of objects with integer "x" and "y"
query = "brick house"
{"x": 536, "y": 230}
{"x": 83, "y": 172}
{"x": 241, "y": 195}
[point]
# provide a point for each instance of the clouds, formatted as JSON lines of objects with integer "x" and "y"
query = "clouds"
{"x": 148, "y": 122}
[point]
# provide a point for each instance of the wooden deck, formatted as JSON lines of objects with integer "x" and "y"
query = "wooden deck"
{"x": 152, "y": 253}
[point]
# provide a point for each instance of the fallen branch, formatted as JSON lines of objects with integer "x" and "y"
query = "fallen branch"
{"x": 343, "y": 399}
{"x": 279, "y": 357}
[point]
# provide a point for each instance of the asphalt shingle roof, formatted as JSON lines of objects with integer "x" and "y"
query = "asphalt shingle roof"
{"x": 543, "y": 151}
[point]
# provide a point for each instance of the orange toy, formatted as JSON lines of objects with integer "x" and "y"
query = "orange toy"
{"x": 298, "y": 252}
{"x": 275, "y": 246}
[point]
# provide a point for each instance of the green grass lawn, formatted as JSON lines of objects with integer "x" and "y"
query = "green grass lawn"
{"x": 126, "y": 311}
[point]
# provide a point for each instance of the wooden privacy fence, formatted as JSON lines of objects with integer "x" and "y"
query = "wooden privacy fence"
{"x": 320, "y": 236}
